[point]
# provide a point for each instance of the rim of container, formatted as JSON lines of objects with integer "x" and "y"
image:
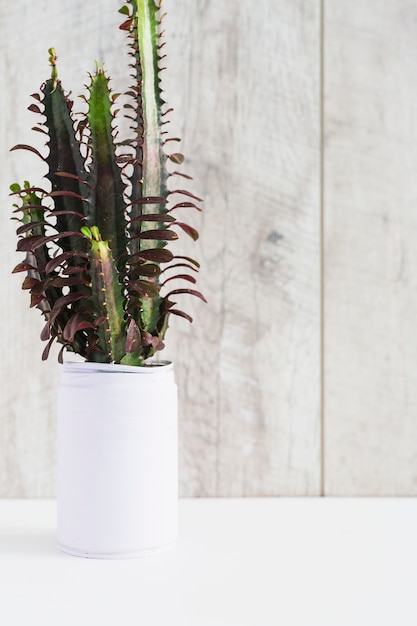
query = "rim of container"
{"x": 151, "y": 368}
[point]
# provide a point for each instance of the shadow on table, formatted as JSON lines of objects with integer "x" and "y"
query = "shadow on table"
{"x": 21, "y": 543}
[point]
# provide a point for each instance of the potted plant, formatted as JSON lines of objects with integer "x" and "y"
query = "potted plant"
{"x": 98, "y": 267}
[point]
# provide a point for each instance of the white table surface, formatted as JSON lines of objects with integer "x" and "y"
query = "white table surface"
{"x": 252, "y": 562}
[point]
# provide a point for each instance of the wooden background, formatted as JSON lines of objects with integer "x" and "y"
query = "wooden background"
{"x": 299, "y": 124}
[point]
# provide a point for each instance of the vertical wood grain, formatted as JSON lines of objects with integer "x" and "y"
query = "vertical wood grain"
{"x": 249, "y": 368}
{"x": 370, "y": 248}
{"x": 244, "y": 83}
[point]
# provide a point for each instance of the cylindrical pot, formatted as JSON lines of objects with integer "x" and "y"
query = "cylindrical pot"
{"x": 117, "y": 459}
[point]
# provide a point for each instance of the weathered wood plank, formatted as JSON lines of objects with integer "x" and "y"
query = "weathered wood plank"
{"x": 248, "y": 107}
{"x": 371, "y": 252}
{"x": 245, "y": 87}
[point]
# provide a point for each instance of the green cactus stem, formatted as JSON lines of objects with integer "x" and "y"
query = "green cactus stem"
{"x": 97, "y": 238}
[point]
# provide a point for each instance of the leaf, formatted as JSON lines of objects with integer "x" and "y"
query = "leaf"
{"x": 36, "y": 298}
{"x": 181, "y": 314}
{"x": 181, "y": 174}
{"x": 60, "y": 281}
{"x": 55, "y": 213}
{"x": 192, "y": 292}
{"x": 159, "y": 255}
{"x": 30, "y": 226}
{"x": 45, "y": 353}
{"x": 190, "y": 279}
{"x": 192, "y": 232}
{"x": 159, "y": 235}
{"x": 23, "y": 267}
{"x": 55, "y": 262}
{"x": 35, "y": 109}
{"x": 185, "y": 204}
{"x": 72, "y": 176}
{"x": 177, "y": 158}
{"x": 74, "y": 324}
{"x": 63, "y": 302}
{"x": 144, "y": 288}
{"x": 187, "y": 258}
{"x": 30, "y": 282}
{"x": 147, "y": 269}
{"x": 126, "y": 25}
{"x": 154, "y": 217}
{"x": 149, "y": 200}
{"x": 32, "y": 243}
{"x": 46, "y": 332}
{"x": 67, "y": 194}
{"x": 23, "y": 146}
{"x": 190, "y": 267}
{"x": 184, "y": 192}
{"x": 133, "y": 337}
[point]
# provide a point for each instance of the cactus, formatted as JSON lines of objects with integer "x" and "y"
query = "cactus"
{"x": 96, "y": 242}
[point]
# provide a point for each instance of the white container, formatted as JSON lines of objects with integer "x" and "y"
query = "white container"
{"x": 117, "y": 456}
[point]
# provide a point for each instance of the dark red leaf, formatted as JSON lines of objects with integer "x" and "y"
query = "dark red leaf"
{"x": 73, "y": 269}
{"x": 181, "y": 314}
{"x": 30, "y": 226}
{"x": 160, "y": 234}
{"x": 133, "y": 337}
{"x": 147, "y": 269}
{"x": 69, "y": 194}
{"x": 126, "y": 25}
{"x": 193, "y": 292}
{"x": 185, "y": 205}
{"x": 38, "y": 129}
{"x": 23, "y": 192}
{"x": 189, "y": 259}
{"x": 75, "y": 324}
{"x": 192, "y": 232}
{"x": 55, "y": 262}
{"x": 54, "y": 213}
{"x": 34, "y": 108}
{"x": 36, "y": 298}
{"x": 63, "y": 301}
{"x": 23, "y": 146}
{"x": 33, "y": 243}
{"x": 46, "y": 332}
{"x": 143, "y": 288}
{"x": 150, "y": 200}
{"x": 58, "y": 281}
{"x": 61, "y": 355}
{"x": 30, "y": 282}
{"x": 190, "y": 267}
{"x": 69, "y": 175}
{"x": 177, "y": 158}
{"x": 190, "y": 279}
{"x": 159, "y": 255}
{"x": 184, "y": 192}
{"x": 154, "y": 217}
{"x": 45, "y": 353}
{"x": 181, "y": 174}
{"x": 23, "y": 267}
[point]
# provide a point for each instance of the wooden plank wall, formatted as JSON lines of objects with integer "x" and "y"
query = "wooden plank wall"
{"x": 245, "y": 89}
{"x": 298, "y": 122}
{"x": 370, "y": 215}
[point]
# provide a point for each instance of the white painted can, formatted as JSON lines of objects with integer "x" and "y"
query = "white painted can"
{"x": 117, "y": 460}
